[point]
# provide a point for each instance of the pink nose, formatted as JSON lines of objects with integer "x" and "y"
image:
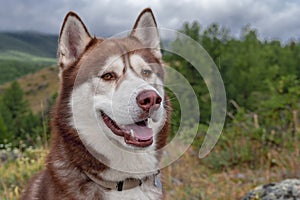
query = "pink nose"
{"x": 148, "y": 99}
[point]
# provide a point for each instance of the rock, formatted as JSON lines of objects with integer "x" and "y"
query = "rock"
{"x": 286, "y": 190}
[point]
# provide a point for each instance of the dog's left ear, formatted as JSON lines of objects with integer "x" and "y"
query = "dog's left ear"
{"x": 145, "y": 30}
{"x": 73, "y": 40}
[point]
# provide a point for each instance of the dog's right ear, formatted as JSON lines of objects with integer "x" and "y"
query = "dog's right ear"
{"x": 145, "y": 30}
{"x": 73, "y": 40}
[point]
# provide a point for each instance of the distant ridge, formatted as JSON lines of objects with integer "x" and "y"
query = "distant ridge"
{"x": 22, "y": 53}
{"x": 34, "y": 43}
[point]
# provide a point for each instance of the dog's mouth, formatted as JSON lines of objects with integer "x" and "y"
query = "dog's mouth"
{"x": 137, "y": 134}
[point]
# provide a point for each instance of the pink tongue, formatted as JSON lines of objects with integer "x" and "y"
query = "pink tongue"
{"x": 140, "y": 132}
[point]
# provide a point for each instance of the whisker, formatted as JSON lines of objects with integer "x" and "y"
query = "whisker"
{"x": 170, "y": 99}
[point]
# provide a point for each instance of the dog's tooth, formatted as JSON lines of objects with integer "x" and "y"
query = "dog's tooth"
{"x": 131, "y": 132}
{"x": 149, "y": 121}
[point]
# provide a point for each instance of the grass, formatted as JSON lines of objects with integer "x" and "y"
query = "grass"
{"x": 22, "y": 53}
{"x": 187, "y": 178}
{"x": 39, "y": 87}
{"x": 22, "y": 56}
{"x": 15, "y": 173}
{"x": 14, "y": 64}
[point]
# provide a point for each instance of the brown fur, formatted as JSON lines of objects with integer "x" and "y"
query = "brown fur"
{"x": 63, "y": 177}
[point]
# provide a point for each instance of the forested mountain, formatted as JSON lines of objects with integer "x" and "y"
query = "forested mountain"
{"x": 25, "y": 52}
{"x": 37, "y": 44}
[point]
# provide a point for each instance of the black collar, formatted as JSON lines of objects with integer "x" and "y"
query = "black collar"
{"x": 126, "y": 184}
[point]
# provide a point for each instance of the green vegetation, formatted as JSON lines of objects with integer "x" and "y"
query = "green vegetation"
{"x": 21, "y": 57}
{"x": 32, "y": 43}
{"x": 23, "y": 52}
{"x": 263, "y": 91}
{"x": 15, "y": 172}
{"x": 18, "y": 125}
{"x": 12, "y": 69}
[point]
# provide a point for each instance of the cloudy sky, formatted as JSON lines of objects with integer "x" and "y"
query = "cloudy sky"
{"x": 274, "y": 19}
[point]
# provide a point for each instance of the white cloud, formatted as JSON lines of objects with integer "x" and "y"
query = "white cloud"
{"x": 272, "y": 18}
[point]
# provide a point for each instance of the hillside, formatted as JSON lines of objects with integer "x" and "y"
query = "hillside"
{"x": 41, "y": 45}
{"x": 25, "y": 52}
{"x": 38, "y": 87}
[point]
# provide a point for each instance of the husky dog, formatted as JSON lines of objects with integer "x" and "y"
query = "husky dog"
{"x": 111, "y": 118}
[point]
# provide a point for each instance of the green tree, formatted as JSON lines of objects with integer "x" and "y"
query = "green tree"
{"x": 5, "y": 136}
{"x": 15, "y": 108}
{"x": 18, "y": 121}
{"x": 214, "y": 39}
{"x": 181, "y": 44}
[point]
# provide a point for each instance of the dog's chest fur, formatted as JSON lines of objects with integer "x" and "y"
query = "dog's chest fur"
{"x": 61, "y": 180}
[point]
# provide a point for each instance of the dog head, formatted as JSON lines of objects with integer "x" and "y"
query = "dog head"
{"x": 113, "y": 88}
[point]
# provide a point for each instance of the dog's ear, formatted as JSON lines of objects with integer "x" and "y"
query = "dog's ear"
{"x": 145, "y": 30}
{"x": 73, "y": 40}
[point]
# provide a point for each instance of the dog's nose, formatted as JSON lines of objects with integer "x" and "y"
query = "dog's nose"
{"x": 148, "y": 99}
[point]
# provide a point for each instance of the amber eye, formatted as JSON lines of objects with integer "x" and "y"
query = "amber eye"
{"x": 108, "y": 76}
{"x": 146, "y": 72}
